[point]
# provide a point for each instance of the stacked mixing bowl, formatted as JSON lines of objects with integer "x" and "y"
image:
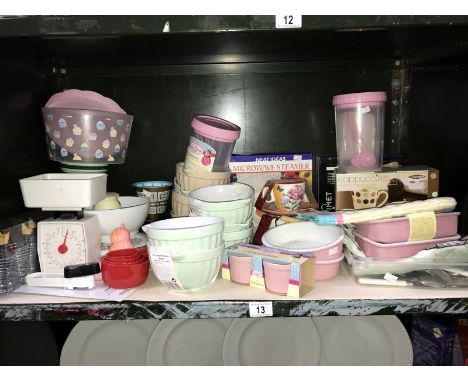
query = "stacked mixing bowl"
{"x": 231, "y": 202}
{"x": 185, "y": 253}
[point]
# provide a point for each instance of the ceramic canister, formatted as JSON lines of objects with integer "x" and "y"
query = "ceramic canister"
{"x": 158, "y": 193}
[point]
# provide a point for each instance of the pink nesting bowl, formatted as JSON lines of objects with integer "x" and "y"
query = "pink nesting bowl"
{"x": 326, "y": 270}
{"x": 240, "y": 268}
{"x": 276, "y": 277}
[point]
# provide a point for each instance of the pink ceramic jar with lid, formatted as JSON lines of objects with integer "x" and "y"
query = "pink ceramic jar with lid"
{"x": 211, "y": 144}
{"x": 359, "y": 120}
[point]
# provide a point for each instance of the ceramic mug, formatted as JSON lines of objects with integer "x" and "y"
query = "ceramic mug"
{"x": 286, "y": 194}
{"x": 367, "y": 198}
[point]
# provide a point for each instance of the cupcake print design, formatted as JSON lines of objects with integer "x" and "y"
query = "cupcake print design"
{"x": 124, "y": 154}
{"x": 92, "y": 136}
{"x": 110, "y": 159}
{"x": 76, "y": 157}
{"x": 127, "y": 128}
{"x": 47, "y": 128}
{"x": 52, "y": 145}
{"x": 50, "y": 117}
{"x": 113, "y": 132}
{"x": 122, "y": 138}
{"x": 84, "y": 147}
{"x": 99, "y": 154}
{"x": 56, "y": 134}
{"x": 120, "y": 122}
{"x": 117, "y": 149}
{"x": 63, "y": 152}
{"x": 69, "y": 142}
{"x": 106, "y": 144}
{"x": 62, "y": 123}
{"x": 77, "y": 130}
{"x": 100, "y": 125}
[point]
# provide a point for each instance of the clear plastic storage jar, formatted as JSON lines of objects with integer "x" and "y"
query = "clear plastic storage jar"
{"x": 359, "y": 119}
{"x": 211, "y": 144}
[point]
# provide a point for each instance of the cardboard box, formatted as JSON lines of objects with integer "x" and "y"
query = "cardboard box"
{"x": 360, "y": 190}
{"x": 257, "y": 169}
{"x": 302, "y": 273}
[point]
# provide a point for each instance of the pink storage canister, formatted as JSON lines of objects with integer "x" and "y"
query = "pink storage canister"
{"x": 211, "y": 144}
{"x": 359, "y": 120}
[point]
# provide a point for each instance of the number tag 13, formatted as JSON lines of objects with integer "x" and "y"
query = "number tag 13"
{"x": 261, "y": 309}
{"x": 288, "y": 21}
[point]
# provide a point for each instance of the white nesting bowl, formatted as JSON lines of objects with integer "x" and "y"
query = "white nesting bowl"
{"x": 132, "y": 213}
{"x": 325, "y": 242}
{"x": 242, "y": 236}
{"x": 187, "y": 233}
{"x": 232, "y": 202}
{"x": 193, "y": 270}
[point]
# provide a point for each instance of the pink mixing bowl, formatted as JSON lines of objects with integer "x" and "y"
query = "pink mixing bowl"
{"x": 326, "y": 270}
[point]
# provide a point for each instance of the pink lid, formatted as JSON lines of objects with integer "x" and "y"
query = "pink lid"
{"x": 351, "y": 98}
{"x": 215, "y": 128}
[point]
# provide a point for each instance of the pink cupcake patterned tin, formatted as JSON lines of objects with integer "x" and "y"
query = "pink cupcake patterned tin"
{"x": 86, "y": 136}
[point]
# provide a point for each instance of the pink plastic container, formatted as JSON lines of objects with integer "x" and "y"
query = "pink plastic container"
{"x": 211, "y": 144}
{"x": 276, "y": 277}
{"x": 398, "y": 250}
{"x": 397, "y": 230}
{"x": 240, "y": 268}
{"x": 326, "y": 270}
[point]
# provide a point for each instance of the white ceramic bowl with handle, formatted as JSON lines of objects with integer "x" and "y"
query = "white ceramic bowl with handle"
{"x": 325, "y": 242}
{"x": 232, "y": 202}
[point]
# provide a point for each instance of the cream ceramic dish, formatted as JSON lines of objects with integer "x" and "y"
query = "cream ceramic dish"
{"x": 188, "y": 233}
{"x": 178, "y": 189}
{"x": 132, "y": 213}
{"x": 180, "y": 205}
{"x": 190, "y": 180}
{"x": 242, "y": 236}
{"x": 325, "y": 242}
{"x": 233, "y": 202}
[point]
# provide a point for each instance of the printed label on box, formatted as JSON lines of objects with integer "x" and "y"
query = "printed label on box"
{"x": 200, "y": 155}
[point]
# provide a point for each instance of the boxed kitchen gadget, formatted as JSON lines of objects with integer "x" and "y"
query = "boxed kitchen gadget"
{"x": 326, "y": 181}
{"x": 270, "y": 269}
{"x": 360, "y": 190}
{"x": 255, "y": 170}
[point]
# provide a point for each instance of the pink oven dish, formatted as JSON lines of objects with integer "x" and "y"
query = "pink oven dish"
{"x": 398, "y": 230}
{"x": 398, "y": 250}
{"x": 240, "y": 269}
{"x": 276, "y": 277}
{"x": 326, "y": 270}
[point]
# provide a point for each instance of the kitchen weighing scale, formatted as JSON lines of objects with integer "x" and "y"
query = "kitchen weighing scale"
{"x": 69, "y": 237}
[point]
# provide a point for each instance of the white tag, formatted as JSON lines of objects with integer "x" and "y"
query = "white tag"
{"x": 390, "y": 277}
{"x": 261, "y": 309}
{"x": 365, "y": 109}
{"x": 161, "y": 259}
{"x": 289, "y": 20}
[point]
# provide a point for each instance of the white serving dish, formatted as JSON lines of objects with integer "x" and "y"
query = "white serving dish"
{"x": 132, "y": 213}
{"x": 232, "y": 202}
{"x": 324, "y": 242}
{"x": 63, "y": 192}
{"x": 187, "y": 233}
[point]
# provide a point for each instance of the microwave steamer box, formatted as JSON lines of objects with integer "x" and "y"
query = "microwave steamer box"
{"x": 256, "y": 169}
{"x": 301, "y": 279}
{"x": 400, "y": 184}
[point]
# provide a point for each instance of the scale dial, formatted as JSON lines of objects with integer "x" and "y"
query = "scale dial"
{"x": 60, "y": 244}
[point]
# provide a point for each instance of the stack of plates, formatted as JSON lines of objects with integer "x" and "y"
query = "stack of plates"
{"x": 373, "y": 340}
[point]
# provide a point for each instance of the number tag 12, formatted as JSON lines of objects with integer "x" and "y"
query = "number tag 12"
{"x": 288, "y": 21}
{"x": 261, "y": 309}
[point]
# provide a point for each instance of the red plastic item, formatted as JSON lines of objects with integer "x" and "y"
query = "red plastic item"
{"x": 126, "y": 268}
